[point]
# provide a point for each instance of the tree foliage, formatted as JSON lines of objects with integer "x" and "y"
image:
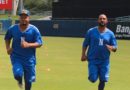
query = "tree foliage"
{"x": 38, "y": 6}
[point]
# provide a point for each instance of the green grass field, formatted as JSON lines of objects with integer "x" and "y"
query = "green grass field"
{"x": 59, "y": 67}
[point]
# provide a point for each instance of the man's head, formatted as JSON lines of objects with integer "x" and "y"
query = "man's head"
{"x": 102, "y": 20}
{"x": 24, "y": 17}
{"x": 26, "y": 12}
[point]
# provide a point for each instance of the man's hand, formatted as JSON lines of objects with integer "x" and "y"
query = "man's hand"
{"x": 111, "y": 48}
{"x": 24, "y": 44}
{"x": 83, "y": 58}
{"x": 9, "y": 51}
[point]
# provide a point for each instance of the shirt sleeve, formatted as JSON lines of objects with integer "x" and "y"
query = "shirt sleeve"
{"x": 38, "y": 37}
{"x": 113, "y": 41}
{"x": 87, "y": 39}
{"x": 8, "y": 34}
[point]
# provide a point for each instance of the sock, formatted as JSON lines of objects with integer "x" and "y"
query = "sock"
{"x": 28, "y": 85}
{"x": 19, "y": 79}
{"x": 101, "y": 85}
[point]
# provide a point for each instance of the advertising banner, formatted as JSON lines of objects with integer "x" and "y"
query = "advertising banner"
{"x": 121, "y": 29}
{"x": 5, "y": 4}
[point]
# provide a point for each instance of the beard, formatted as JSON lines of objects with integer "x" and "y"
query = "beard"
{"x": 101, "y": 24}
{"x": 24, "y": 23}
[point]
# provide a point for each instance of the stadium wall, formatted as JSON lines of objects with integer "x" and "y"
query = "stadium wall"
{"x": 4, "y": 25}
{"x": 78, "y": 28}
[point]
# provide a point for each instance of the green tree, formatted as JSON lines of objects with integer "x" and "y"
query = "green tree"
{"x": 38, "y": 6}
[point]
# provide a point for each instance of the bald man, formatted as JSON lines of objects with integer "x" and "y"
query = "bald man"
{"x": 99, "y": 42}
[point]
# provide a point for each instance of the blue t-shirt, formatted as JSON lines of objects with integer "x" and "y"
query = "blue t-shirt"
{"x": 31, "y": 35}
{"x": 97, "y": 42}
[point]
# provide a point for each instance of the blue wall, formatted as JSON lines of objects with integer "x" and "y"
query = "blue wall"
{"x": 66, "y": 28}
{"x": 5, "y": 24}
{"x": 78, "y": 28}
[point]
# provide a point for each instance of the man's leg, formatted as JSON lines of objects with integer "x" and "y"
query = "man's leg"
{"x": 19, "y": 79}
{"x": 103, "y": 74}
{"x": 101, "y": 85}
{"x": 18, "y": 73}
{"x": 29, "y": 76}
{"x": 28, "y": 85}
{"x": 93, "y": 72}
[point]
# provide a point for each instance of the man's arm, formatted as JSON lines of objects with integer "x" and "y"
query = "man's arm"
{"x": 36, "y": 44}
{"x": 25, "y": 44}
{"x": 111, "y": 48}
{"x": 8, "y": 48}
{"x": 85, "y": 46}
{"x": 83, "y": 57}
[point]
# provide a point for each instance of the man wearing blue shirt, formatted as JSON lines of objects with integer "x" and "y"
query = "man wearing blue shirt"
{"x": 99, "y": 42}
{"x": 25, "y": 39}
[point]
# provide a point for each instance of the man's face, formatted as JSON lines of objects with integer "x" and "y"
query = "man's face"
{"x": 24, "y": 19}
{"x": 102, "y": 20}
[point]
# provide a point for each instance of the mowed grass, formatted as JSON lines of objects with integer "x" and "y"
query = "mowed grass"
{"x": 59, "y": 67}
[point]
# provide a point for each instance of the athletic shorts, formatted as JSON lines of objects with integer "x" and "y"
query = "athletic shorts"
{"x": 98, "y": 69}
{"x": 22, "y": 70}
